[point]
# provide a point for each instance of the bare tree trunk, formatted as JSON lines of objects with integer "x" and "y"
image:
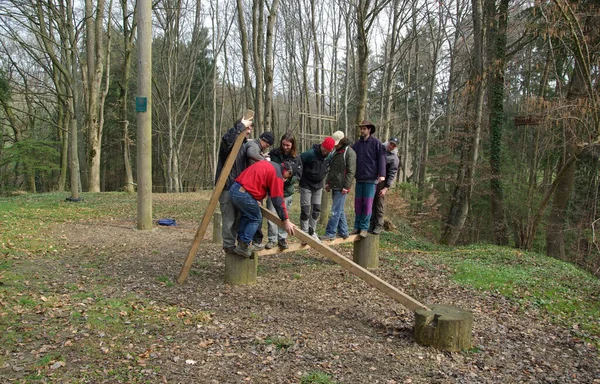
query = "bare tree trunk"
{"x": 257, "y": 53}
{"x": 95, "y": 56}
{"x": 461, "y": 197}
{"x": 270, "y": 47}
{"x": 249, "y": 99}
{"x": 497, "y": 22}
{"x": 128, "y": 35}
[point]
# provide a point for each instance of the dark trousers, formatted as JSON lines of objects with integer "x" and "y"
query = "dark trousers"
{"x": 378, "y": 208}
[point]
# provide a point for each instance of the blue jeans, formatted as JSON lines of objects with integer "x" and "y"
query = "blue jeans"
{"x": 337, "y": 221}
{"x": 250, "y": 215}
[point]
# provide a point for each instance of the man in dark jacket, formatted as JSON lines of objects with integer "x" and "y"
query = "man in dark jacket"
{"x": 315, "y": 165}
{"x": 339, "y": 181}
{"x": 228, "y": 212}
{"x": 391, "y": 168}
{"x": 287, "y": 151}
{"x": 249, "y": 188}
{"x": 370, "y": 157}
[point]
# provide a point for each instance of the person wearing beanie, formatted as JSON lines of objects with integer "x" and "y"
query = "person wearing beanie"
{"x": 315, "y": 165}
{"x": 391, "y": 169}
{"x": 370, "y": 154}
{"x": 339, "y": 181}
{"x": 286, "y": 152}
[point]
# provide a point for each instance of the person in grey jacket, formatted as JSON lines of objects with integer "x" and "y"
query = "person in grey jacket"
{"x": 391, "y": 167}
{"x": 250, "y": 153}
{"x": 339, "y": 181}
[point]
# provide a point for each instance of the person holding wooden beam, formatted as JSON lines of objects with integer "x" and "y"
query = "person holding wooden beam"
{"x": 228, "y": 212}
{"x": 249, "y": 189}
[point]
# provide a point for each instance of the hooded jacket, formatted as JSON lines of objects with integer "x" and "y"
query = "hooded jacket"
{"x": 392, "y": 163}
{"x": 370, "y": 155}
{"x": 314, "y": 168}
{"x": 343, "y": 168}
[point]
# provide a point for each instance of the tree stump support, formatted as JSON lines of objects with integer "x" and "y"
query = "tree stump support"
{"x": 217, "y": 236}
{"x": 240, "y": 270}
{"x": 444, "y": 327}
{"x": 366, "y": 252}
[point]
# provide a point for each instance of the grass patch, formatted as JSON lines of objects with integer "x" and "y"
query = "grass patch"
{"x": 316, "y": 377}
{"x": 279, "y": 342}
{"x": 569, "y": 294}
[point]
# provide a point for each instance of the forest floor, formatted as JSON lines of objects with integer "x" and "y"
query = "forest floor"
{"x": 94, "y": 300}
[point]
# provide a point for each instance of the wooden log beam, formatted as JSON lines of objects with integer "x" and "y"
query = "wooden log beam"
{"x": 295, "y": 247}
{"x": 210, "y": 209}
{"x": 351, "y": 266}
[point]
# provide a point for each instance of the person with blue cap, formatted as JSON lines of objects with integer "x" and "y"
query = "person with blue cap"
{"x": 391, "y": 169}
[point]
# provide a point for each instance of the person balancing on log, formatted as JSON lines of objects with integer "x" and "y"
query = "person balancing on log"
{"x": 247, "y": 192}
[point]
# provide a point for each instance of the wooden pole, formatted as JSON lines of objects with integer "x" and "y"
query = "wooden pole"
{"x": 366, "y": 252}
{"x": 210, "y": 209}
{"x": 144, "y": 116}
{"x": 351, "y": 266}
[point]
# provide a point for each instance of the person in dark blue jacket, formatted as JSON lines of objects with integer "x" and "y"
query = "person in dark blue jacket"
{"x": 370, "y": 170}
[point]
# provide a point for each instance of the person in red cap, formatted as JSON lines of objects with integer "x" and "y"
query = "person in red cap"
{"x": 315, "y": 165}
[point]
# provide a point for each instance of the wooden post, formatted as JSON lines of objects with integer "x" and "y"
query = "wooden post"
{"x": 240, "y": 270}
{"x": 366, "y": 252}
{"x": 444, "y": 327}
{"x": 217, "y": 226}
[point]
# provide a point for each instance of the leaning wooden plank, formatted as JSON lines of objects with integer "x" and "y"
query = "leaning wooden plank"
{"x": 210, "y": 209}
{"x": 295, "y": 247}
{"x": 352, "y": 267}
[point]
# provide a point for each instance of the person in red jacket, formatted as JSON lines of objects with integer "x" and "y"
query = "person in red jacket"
{"x": 251, "y": 187}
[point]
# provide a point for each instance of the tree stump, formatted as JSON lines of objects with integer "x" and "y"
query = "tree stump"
{"x": 240, "y": 270}
{"x": 445, "y": 327}
{"x": 366, "y": 252}
{"x": 217, "y": 236}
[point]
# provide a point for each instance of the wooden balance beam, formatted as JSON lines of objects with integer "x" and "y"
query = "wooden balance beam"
{"x": 351, "y": 266}
{"x": 295, "y": 247}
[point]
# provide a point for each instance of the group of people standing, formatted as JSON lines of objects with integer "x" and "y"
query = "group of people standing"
{"x": 331, "y": 165}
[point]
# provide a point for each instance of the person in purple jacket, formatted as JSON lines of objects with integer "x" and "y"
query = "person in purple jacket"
{"x": 370, "y": 154}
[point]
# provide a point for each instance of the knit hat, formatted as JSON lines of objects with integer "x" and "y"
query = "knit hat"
{"x": 328, "y": 144}
{"x": 367, "y": 123}
{"x": 267, "y": 137}
{"x": 394, "y": 140}
{"x": 337, "y": 136}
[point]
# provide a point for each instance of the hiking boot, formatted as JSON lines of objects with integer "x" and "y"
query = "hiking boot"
{"x": 315, "y": 236}
{"x": 270, "y": 244}
{"x": 355, "y": 232}
{"x": 377, "y": 230}
{"x": 363, "y": 233}
{"x": 327, "y": 237}
{"x": 345, "y": 236}
{"x": 244, "y": 249}
{"x": 283, "y": 244}
{"x": 258, "y": 247}
{"x": 229, "y": 249}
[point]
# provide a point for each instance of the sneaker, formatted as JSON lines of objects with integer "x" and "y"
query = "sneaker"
{"x": 377, "y": 230}
{"x": 327, "y": 237}
{"x": 355, "y": 232}
{"x": 363, "y": 233}
{"x": 258, "y": 247}
{"x": 315, "y": 236}
{"x": 244, "y": 249}
{"x": 283, "y": 244}
{"x": 229, "y": 249}
{"x": 270, "y": 244}
{"x": 345, "y": 236}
